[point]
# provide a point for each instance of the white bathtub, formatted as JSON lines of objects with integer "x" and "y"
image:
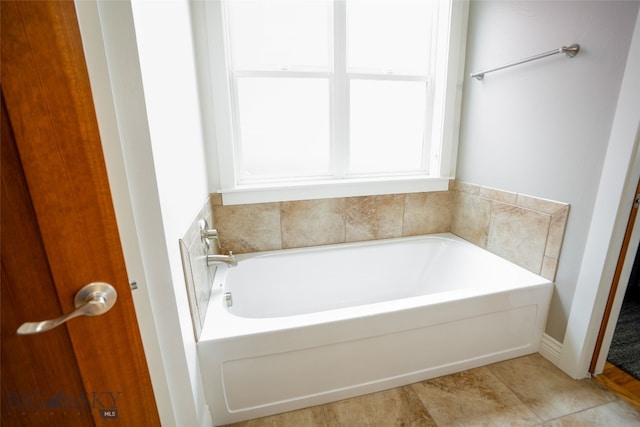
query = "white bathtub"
{"x": 314, "y": 325}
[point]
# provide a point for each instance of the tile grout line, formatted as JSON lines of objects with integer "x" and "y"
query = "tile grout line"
{"x": 324, "y": 415}
{"x": 515, "y": 394}
{"x": 583, "y": 410}
{"x": 615, "y": 398}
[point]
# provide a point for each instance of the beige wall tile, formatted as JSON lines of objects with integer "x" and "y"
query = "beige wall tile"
{"x": 427, "y": 213}
{"x": 540, "y": 205}
{"x": 197, "y": 275}
{"x": 471, "y": 216}
{"x": 556, "y": 232}
{"x": 202, "y": 279}
{"x": 249, "y": 228}
{"x": 312, "y": 222}
{"x": 498, "y": 195}
{"x": 465, "y": 187}
{"x": 519, "y": 235}
{"x": 549, "y": 268}
{"x": 374, "y": 217}
{"x": 465, "y": 210}
{"x": 191, "y": 289}
{"x": 215, "y": 199}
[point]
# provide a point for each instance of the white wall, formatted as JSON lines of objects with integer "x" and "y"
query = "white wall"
{"x": 164, "y": 40}
{"x": 141, "y": 67}
{"x": 542, "y": 128}
{"x": 616, "y": 192}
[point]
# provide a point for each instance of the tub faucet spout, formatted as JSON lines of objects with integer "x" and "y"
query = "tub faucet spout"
{"x": 229, "y": 259}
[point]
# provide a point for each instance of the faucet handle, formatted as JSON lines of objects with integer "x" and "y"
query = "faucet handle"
{"x": 207, "y": 234}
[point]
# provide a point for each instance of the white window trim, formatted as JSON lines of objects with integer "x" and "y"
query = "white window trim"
{"x": 447, "y": 86}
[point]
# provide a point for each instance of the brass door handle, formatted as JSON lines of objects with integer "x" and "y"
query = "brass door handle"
{"x": 93, "y": 299}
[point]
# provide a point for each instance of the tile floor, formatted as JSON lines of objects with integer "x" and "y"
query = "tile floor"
{"x": 527, "y": 391}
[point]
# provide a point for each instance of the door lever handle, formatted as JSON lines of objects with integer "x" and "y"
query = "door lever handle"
{"x": 93, "y": 299}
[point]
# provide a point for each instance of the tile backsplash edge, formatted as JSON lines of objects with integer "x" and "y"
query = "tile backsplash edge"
{"x": 198, "y": 276}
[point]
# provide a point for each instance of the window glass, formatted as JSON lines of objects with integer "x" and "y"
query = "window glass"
{"x": 334, "y": 98}
{"x": 387, "y": 125}
{"x": 389, "y": 36}
{"x": 279, "y": 34}
{"x": 283, "y": 127}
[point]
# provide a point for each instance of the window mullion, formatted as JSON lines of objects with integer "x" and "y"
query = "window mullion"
{"x": 237, "y": 145}
{"x": 340, "y": 90}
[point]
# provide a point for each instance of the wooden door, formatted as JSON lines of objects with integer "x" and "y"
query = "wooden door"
{"x": 58, "y": 234}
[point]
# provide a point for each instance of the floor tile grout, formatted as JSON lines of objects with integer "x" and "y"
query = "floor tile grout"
{"x": 581, "y": 410}
{"x": 614, "y": 397}
{"x": 516, "y": 394}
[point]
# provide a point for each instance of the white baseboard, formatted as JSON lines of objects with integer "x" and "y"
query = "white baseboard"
{"x": 550, "y": 349}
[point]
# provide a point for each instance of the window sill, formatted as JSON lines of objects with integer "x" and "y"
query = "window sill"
{"x": 331, "y": 189}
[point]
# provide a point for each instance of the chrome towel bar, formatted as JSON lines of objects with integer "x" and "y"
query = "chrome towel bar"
{"x": 570, "y": 51}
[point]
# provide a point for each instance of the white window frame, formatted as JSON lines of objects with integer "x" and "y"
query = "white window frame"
{"x": 446, "y": 93}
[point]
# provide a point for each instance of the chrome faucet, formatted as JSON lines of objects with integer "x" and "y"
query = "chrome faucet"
{"x": 206, "y": 235}
{"x": 229, "y": 259}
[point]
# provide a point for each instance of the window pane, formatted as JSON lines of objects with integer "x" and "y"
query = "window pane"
{"x": 391, "y": 35}
{"x": 280, "y": 34}
{"x": 387, "y": 124}
{"x": 284, "y": 127}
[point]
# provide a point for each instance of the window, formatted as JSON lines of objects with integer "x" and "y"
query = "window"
{"x": 327, "y": 98}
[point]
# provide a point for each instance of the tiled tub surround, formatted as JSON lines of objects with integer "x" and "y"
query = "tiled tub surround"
{"x": 198, "y": 276}
{"x": 525, "y": 230}
{"x": 286, "y": 225}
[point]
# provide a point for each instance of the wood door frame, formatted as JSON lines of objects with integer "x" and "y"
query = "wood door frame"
{"x": 628, "y": 252}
